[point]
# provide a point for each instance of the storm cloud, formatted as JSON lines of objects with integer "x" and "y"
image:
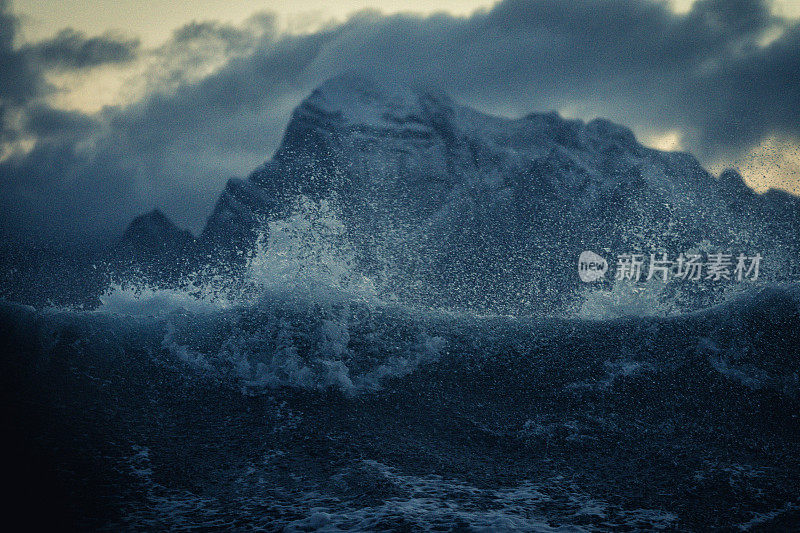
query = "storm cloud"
{"x": 20, "y": 81}
{"x": 725, "y": 74}
{"x": 71, "y": 49}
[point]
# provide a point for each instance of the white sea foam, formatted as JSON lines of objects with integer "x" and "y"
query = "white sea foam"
{"x": 288, "y": 319}
{"x": 625, "y": 299}
{"x": 309, "y": 255}
{"x": 144, "y": 300}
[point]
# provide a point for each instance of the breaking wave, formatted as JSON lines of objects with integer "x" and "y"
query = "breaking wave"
{"x": 295, "y": 397}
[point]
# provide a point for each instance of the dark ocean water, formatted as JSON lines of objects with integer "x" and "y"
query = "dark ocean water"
{"x": 302, "y": 414}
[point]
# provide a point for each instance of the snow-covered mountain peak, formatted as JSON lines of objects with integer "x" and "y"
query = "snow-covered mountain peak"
{"x": 353, "y": 99}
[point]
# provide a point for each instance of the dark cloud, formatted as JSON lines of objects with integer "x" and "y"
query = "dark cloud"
{"x": 204, "y": 31}
{"x": 746, "y": 97}
{"x": 19, "y": 79}
{"x": 22, "y": 81}
{"x": 45, "y": 122}
{"x": 634, "y": 61}
{"x": 71, "y": 49}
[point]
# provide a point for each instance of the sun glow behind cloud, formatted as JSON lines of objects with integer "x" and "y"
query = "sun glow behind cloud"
{"x": 154, "y": 20}
{"x": 669, "y": 141}
{"x": 773, "y": 164}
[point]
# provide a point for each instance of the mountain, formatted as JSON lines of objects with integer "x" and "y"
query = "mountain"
{"x": 154, "y": 230}
{"x": 446, "y": 204}
{"x": 153, "y": 248}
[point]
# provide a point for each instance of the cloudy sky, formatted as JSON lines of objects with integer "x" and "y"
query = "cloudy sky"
{"x": 112, "y": 107}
